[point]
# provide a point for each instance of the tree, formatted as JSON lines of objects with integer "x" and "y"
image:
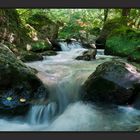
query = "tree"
{"x": 106, "y": 11}
{"x": 125, "y": 14}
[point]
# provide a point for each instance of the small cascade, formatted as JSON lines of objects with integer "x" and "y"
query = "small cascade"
{"x": 100, "y": 51}
{"x": 70, "y": 46}
{"x": 42, "y": 114}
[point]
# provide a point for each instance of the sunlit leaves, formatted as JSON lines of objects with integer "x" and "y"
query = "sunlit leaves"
{"x": 75, "y": 20}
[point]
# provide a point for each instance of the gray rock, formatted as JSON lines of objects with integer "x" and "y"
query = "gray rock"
{"x": 88, "y": 55}
{"x": 113, "y": 82}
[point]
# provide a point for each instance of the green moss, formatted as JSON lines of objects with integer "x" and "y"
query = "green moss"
{"x": 124, "y": 42}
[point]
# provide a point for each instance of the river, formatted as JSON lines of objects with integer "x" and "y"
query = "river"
{"x": 65, "y": 112}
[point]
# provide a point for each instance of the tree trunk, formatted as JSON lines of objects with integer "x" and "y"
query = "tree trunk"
{"x": 105, "y": 14}
{"x": 125, "y": 14}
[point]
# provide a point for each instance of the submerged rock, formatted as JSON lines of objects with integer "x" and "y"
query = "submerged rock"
{"x": 113, "y": 82}
{"x": 88, "y": 55}
{"x": 18, "y": 85}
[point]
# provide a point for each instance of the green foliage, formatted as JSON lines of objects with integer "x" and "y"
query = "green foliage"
{"x": 38, "y": 20}
{"x": 112, "y": 24}
{"x": 134, "y": 19}
{"x": 75, "y": 20}
{"x": 123, "y": 30}
{"x": 124, "y": 42}
{"x": 39, "y": 46}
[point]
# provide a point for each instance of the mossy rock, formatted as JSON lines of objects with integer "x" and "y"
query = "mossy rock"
{"x": 106, "y": 31}
{"x": 12, "y": 27}
{"x": 19, "y": 85}
{"x": 124, "y": 42}
{"x": 88, "y": 55}
{"x": 29, "y": 57}
{"x": 45, "y": 27}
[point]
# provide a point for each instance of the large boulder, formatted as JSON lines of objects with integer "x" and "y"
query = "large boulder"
{"x": 19, "y": 86}
{"x": 113, "y": 82}
{"x": 88, "y": 55}
{"x": 45, "y": 27}
{"x": 86, "y": 37}
{"x": 11, "y": 28}
{"x": 89, "y": 46}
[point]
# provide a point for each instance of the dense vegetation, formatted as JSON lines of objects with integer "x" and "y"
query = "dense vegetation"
{"x": 36, "y": 30}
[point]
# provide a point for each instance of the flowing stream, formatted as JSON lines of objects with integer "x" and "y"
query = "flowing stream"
{"x": 65, "y": 112}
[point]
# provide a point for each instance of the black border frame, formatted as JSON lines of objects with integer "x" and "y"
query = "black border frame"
{"x": 69, "y": 4}
{"x": 69, "y": 136}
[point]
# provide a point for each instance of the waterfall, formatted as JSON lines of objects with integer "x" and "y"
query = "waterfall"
{"x": 41, "y": 114}
{"x": 100, "y": 51}
{"x": 69, "y": 46}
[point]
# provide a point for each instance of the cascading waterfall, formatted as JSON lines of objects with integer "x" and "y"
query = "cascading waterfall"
{"x": 65, "y": 112}
{"x": 100, "y": 52}
{"x": 69, "y": 46}
{"x": 40, "y": 114}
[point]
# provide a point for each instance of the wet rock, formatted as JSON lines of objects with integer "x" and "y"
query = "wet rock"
{"x": 88, "y": 55}
{"x": 29, "y": 57}
{"x": 86, "y": 37}
{"x": 56, "y": 46}
{"x": 89, "y": 46}
{"x": 18, "y": 85}
{"x": 70, "y": 40}
{"x": 113, "y": 82}
{"x": 45, "y": 27}
{"x": 49, "y": 53}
